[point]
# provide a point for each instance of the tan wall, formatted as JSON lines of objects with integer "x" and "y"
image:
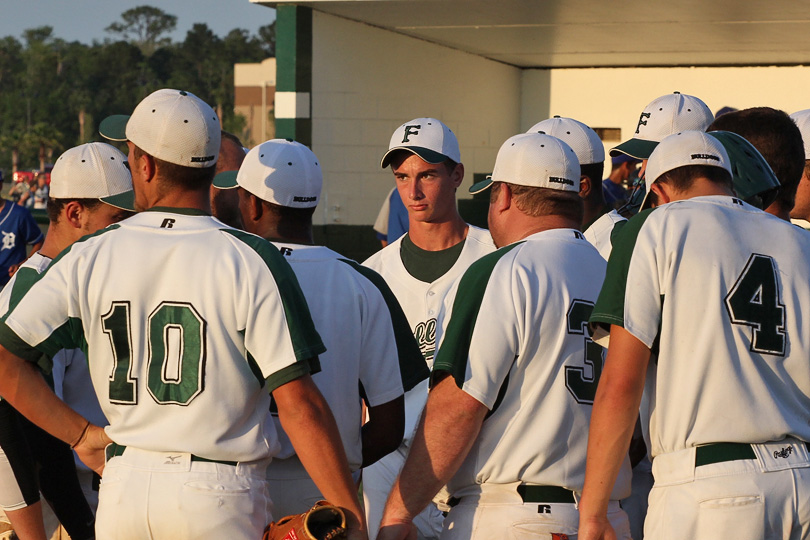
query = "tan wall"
{"x": 366, "y": 82}
{"x": 249, "y": 80}
{"x": 615, "y": 97}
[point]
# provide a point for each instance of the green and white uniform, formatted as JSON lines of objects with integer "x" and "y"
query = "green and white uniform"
{"x": 602, "y": 231}
{"x": 187, "y": 325}
{"x": 719, "y": 291}
{"x": 369, "y": 347}
{"x": 517, "y": 342}
{"x": 423, "y": 303}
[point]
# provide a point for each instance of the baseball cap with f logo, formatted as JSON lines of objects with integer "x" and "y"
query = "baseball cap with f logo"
{"x": 428, "y": 138}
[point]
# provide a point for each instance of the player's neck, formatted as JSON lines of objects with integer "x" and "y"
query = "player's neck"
{"x": 57, "y": 239}
{"x": 199, "y": 199}
{"x": 279, "y": 231}
{"x": 522, "y": 226}
{"x": 437, "y": 236}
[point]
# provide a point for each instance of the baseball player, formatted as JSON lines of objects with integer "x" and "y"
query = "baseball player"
{"x": 18, "y": 231}
{"x": 189, "y": 325}
{"x": 82, "y": 180}
{"x": 591, "y": 155}
{"x": 279, "y": 187}
{"x": 718, "y": 290}
{"x": 225, "y": 203}
{"x": 776, "y": 136}
{"x": 506, "y": 422}
{"x": 801, "y": 209}
{"x": 663, "y": 116}
{"x": 420, "y": 267}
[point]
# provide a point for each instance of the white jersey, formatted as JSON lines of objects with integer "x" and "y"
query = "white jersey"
{"x": 187, "y": 323}
{"x": 354, "y": 321}
{"x": 517, "y": 342}
{"x": 601, "y": 232}
{"x": 720, "y": 291}
{"x": 71, "y": 376}
{"x": 423, "y": 303}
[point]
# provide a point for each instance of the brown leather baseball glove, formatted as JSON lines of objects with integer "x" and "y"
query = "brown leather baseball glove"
{"x": 321, "y": 522}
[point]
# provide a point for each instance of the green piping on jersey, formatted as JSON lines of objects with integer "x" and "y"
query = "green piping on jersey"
{"x": 306, "y": 341}
{"x": 290, "y": 373}
{"x": 412, "y": 366}
{"x": 455, "y": 349}
{"x": 609, "y": 308}
{"x": 23, "y": 280}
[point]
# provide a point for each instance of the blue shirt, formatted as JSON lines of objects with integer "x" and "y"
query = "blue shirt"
{"x": 613, "y": 192}
{"x": 397, "y": 217}
{"x": 17, "y": 230}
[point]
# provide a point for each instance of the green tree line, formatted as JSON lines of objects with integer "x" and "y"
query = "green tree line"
{"x": 53, "y": 93}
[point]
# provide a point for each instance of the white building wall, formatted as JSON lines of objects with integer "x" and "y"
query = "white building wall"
{"x": 615, "y": 97}
{"x": 367, "y": 81}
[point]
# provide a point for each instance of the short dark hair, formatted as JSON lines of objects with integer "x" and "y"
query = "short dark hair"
{"x": 180, "y": 176}
{"x": 539, "y": 201}
{"x": 54, "y": 206}
{"x": 287, "y": 217}
{"x": 777, "y": 138}
{"x": 231, "y": 137}
{"x": 682, "y": 178}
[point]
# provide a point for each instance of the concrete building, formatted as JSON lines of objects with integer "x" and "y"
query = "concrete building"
{"x": 350, "y": 72}
{"x": 254, "y": 98}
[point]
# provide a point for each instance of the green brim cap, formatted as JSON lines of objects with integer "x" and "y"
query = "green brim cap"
{"x": 124, "y": 200}
{"x": 636, "y": 148}
{"x": 428, "y": 155}
{"x": 226, "y": 180}
{"x": 478, "y": 187}
{"x": 114, "y": 127}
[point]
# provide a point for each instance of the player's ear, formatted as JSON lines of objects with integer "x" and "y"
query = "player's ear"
{"x": 72, "y": 213}
{"x": 584, "y": 187}
{"x": 661, "y": 192}
{"x": 458, "y": 175}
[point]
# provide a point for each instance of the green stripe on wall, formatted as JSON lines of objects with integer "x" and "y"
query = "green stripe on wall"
{"x": 294, "y": 65}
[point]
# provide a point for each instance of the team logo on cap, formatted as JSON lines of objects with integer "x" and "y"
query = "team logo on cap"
{"x": 202, "y": 159}
{"x": 559, "y": 180}
{"x": 298, "y": 198}
{"x": 705, "y": 156}
{"x": 642, "y": 121}
{"x": 408, "y": 132}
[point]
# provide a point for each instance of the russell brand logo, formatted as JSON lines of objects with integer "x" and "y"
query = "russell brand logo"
{"x": 783, "y": 453}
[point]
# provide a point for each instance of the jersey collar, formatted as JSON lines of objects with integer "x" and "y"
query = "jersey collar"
{"x": 183, "y": 211}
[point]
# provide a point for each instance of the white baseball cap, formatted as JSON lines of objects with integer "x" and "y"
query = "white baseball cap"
{"x": 664, "y": 116}
{"x": 93, "y": 171}
{"x": 683, "y": 149}
{"x": 584, "y": 141}
{"x": 172, "y": 125}
{"x": 279, "y": 171}
{"x": 536, "y": 160}
{"x": 428, "y": 138}
{"x": 802, "y": 119}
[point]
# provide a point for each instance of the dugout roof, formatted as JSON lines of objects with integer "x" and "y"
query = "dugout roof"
{"x": 597, "y": 33}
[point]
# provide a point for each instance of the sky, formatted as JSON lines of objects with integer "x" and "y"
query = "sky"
{"x": 85, "y": 20}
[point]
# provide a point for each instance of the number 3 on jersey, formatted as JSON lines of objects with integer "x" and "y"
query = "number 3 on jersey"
{"x": 581, "y": 385}
{"x": 755, "y": 301}
{"x": 176, "y": 358}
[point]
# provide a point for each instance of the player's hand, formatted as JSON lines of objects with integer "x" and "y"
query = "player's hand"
{"x": 90, "y": 448}
{"x": 595, "y": 529}
{"x": 13, "y": 269}
{"x": 398, "y": 531}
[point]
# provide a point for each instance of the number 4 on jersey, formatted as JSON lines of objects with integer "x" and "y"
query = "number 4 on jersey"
{"x": 581, "y": 385}
{"x": 755, "y": 301}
